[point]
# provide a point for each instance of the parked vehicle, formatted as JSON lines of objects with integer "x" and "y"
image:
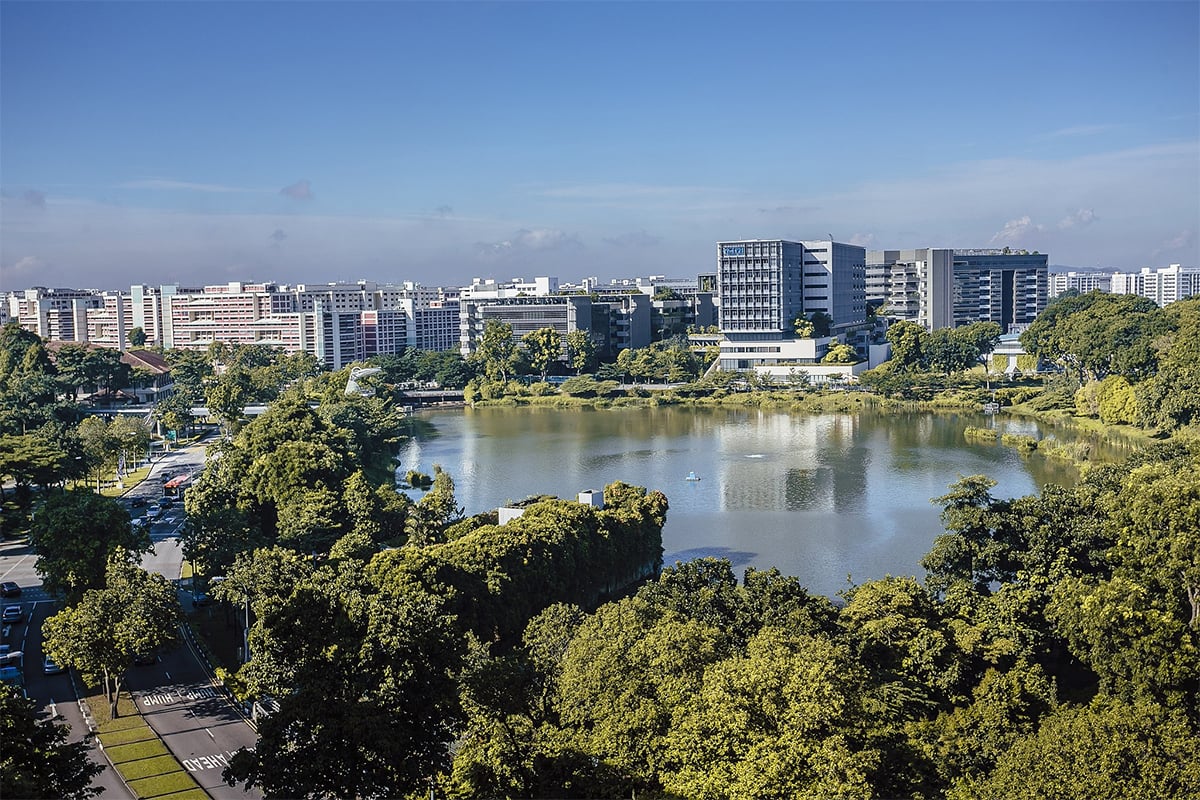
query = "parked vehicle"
{"x": 49, "y": 667}
{"x": 137, "y": 502}
{"x": 154, "y": 512}
{"x": 9, "y": 589}
{"x": 13, "y": 614}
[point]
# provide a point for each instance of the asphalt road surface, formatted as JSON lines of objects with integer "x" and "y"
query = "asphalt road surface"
{"x": 55, "y": 695}
{"x": 198, "y": 723}
{"x": 177, "y": 695}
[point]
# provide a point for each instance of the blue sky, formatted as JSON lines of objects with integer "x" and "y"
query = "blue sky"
{"x": 154, "y": 142}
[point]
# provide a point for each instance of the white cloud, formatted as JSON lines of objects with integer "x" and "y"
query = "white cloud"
{"x": 1081, "y": 218}
{"x": 1178, "y": 242}
{"x": 26, "y": 265}
{"x": 634, "y": 239}
{"x": 163, "y": 183}
{"x": 1080, "y": 130}
{"x": 863, "y": 239}
{"x": 1017, "y": 230}
{"x": 300, "y": 190}
{"x": 529, "y": 241}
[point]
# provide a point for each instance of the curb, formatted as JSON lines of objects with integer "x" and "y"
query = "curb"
{"x": 90, "y": 721}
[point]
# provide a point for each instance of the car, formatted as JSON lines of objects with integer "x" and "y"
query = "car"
{"x": 154, "y": 511}
{"x": 166, "y": 502}
{"x": 13, "y": 614}
{"x": 49, "y": 667}
{"x": 144, "y": 659}
{"x": 9, "y": 589}
{"x": 137, "y": 502}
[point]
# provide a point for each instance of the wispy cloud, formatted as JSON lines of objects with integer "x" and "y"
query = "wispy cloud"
{"x": 26, "y": 265}
{"x": 300, "y": 190}
{"x": 634, "y": 239}
{"x": 1017, "y": 230}
{"x": 443, "y": 212}
{"x": 278, "y": 236}
{"x": 1080, "y": 130}
{"x": 1080, "y": 219}
{"x": 189, "y": 186}
{"x": 863, "y": 239}
{"x": 1178, "y": 242}
{"x": 529, "y": 241}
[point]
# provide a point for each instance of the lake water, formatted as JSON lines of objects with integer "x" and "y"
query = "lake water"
{"x": 821, "y": 497}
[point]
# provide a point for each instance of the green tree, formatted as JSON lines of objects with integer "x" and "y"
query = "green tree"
{"x": 227, "y": 398}
{"x": 908, "y": 344}
{"x": 37, "y": 761}
{"x": 75, "y": 534}
{"x": 367, "y": 708}
{"x": 137, "y": 337}
{"x": 1096, "y": 334}
{"x": 840, "y": 354}
{"x": 581, "y": 350}
{"x": 542, "y": 348}
{"x": 1171, "y": 398}
{"x": 1109, "y": 750}
{"x": 136, "y": 612}
{"x": 496, "y": 351}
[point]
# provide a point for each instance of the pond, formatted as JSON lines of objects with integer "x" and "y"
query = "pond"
{"x": 829, "y": 498}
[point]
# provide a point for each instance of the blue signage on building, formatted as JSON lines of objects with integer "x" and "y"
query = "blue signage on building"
{"x": 733, "y": 250}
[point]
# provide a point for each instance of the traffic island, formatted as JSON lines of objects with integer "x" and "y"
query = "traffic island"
{"x": 138, "y": 754}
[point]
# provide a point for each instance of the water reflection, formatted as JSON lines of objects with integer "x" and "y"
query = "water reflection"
{"x": 819, "y": 496}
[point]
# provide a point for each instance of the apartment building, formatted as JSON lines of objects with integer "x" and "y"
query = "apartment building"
{"x": 916, "y": 285}
{"x": 337, "y": 323}
{"x": 1058, "y": 283}
{"x": 1164, "y": 285}
{"x": 57, "y": 314}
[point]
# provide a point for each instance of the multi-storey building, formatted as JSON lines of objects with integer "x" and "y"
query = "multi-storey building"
{"x": 337, "y": 323}
{"x": 56, "y": 314}
{"x": 765, "y": 284}
{"x": 1164, "y": 285}
{"x": 1058, "y": 283}
{"x": 996, "y": 286}
{"x": 564, "y": 313}
{"x": 916, "y": 285}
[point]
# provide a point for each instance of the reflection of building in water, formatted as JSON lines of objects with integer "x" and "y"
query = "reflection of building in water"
{"x": 798, "y": 463}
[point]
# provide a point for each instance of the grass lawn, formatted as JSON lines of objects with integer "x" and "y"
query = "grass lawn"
{"x": 149, "y": 767}
{"x": 163, "y": 784}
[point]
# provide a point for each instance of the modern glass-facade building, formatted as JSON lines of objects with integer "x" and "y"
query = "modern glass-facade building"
{"x": 993, "y": 286}
{"x": 764, "y": 284}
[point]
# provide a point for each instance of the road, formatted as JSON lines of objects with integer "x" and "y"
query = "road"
{"x": 195, "y": 720}
{"x": 177, "y": 696}
{"x": 55, "y": 694}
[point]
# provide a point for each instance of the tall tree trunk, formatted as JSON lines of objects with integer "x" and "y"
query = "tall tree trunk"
{"x": 116, "y": 711}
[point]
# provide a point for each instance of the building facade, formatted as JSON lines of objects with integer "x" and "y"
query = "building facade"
{"x": 994, "y": 286}
{"x": 1058, "y": 283}
{"x": 915, "y": 285}
{"x": 763, "y": 285}
{"x": 1164, "y": 285}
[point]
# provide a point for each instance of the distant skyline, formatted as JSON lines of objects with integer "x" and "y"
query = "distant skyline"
{"x": 199, "y": 143}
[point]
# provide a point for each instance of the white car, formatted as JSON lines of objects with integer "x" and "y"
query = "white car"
{"x": 49, "y": 667}
{"x": 154, "y": 512}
